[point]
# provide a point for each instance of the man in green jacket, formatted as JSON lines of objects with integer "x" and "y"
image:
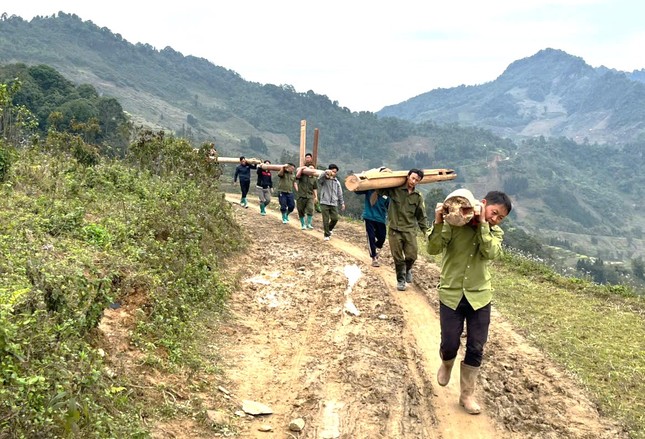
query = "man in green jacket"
{"x": 405, "y": 214}
{"x": 286, "y": 179}
{"x": 306, "y": 194}
{"x": 465, "y": 290}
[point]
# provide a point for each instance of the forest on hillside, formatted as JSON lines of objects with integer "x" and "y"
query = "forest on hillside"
{"x": 216, "y": 104}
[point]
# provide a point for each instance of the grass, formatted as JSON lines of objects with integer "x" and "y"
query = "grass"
{"x": 76, "y": 237}
{"x": 597, "y": 335}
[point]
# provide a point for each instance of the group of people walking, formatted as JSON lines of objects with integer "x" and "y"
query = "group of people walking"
{"x": 466, "y": 234}
{"x": 297, "y": 189}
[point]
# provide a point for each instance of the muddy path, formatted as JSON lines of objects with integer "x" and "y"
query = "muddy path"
{"x": 315, "y": 333}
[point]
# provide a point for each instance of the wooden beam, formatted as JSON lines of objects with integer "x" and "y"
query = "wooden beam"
{"x": 303, "y": 141}
{"x": 312, "y": 172}
{"x": 375, "y": 179}
{"x": 251, "y": 161}
{"x": 271, "y": 167}
{"x": 315, "y": 150}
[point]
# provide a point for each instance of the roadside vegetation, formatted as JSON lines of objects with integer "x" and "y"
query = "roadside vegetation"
{"x": 79, "y": 233}
{"x": 596, "y": 332}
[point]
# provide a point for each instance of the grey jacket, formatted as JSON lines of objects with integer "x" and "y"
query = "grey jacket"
{"x": 330, "y": 192}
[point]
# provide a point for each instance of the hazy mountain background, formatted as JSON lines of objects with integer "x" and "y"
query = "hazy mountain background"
{"x": 549, "y": 94}
{"x": 565, "y": 140}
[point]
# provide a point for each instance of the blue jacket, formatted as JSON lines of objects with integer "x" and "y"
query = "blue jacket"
{"x": 377, "y": 212}
{"x": 243, "y": 172}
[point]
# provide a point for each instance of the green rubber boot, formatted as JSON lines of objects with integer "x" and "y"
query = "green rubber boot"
{"x": 310, "y": 219}
{"x": 263, "y": 210}
{"x": 302, "y": 223}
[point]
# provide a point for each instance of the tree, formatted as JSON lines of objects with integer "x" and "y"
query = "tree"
{"x": 16, "y": 121}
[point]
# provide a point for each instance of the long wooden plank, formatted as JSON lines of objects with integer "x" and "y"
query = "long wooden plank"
{"x": 314, "y": 153}
{"x": 270, "y": 167}
{"x": 252, "y": 161}
{"x": 374, "y": 179}
{"x": 312, "y": 172}
{"x": 303, "y": 141}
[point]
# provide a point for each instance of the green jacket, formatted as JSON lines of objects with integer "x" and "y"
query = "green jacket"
{"x": 285, "y": 182}
{"x": 406, "y": 210}
{"x": 466, "y": 255}
{"x": 306, "y": 186}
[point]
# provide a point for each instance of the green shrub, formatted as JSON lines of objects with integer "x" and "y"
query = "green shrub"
{"x": 74, "y": 239}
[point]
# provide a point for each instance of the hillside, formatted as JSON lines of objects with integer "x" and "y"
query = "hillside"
{"x": 139, "y": 299}
{"x": 549, "y": 94}
{"x": 201, "y": 101}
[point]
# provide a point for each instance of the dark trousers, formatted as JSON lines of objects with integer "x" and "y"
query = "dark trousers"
{"x": 376, "y": 233}
{"x": 287, "y": 203}
{"x": 404, "y": 249}
{"x": 330, "y": 218}
{"x": 245, "y": 185}
{"x": 452, "y": 325}
{"x": 305, "y": 206}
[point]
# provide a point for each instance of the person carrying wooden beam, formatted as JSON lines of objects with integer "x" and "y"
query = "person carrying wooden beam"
{"x": 406, "y": 213}
{"x": 306, "y": 194}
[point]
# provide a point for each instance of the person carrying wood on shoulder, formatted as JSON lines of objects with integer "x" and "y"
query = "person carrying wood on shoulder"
{"x": 286, "y": 179}
{"x": 331, "y": 196}
{"x": 243, "y": 173}
{"x": 306, "y": 194}
{"x": 468, "y": 236}
{"x": 375, "y": 218}
{"x": 264, "y": 187}
{"x": 405, "y": 214}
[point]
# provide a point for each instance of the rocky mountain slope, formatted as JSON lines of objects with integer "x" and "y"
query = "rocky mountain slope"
{"x": 549, "y": 94}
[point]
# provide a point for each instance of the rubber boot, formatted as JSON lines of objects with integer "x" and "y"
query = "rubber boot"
{"x": 263, "y": 210}
{"x": 302, "y": 223}
{"x": 443, "y": 375}
{"x": 284, "y": 217}
{"x": 467, "y": 398}
{"x": 408, "y": 272}
{"x": 310, "y": 219}
{"x": 400, "y": 278}
{"x": 245, "y": 203}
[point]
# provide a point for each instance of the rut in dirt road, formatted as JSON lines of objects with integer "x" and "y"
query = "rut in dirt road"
{"x": 294, "y": 344}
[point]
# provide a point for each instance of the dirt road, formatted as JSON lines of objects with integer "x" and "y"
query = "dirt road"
{"x": 316, "y": 333}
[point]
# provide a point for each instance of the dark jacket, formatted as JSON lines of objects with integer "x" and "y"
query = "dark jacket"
{"x": 243, "y": 172}
{"x": 264, "y": 179}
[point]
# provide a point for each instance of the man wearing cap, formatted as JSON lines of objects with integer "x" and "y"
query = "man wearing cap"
{"x": 468, "y": 235}
{"x": 405, "y": 214}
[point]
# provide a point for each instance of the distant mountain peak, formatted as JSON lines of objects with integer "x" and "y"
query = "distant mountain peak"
{"x": 551, "y": 94}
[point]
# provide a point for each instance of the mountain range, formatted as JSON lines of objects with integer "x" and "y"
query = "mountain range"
{"x": 549, "y": 94}
{"x": 565, "y": 140}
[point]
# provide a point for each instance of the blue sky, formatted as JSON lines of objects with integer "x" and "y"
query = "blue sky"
{"x": 365, "y": 54}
